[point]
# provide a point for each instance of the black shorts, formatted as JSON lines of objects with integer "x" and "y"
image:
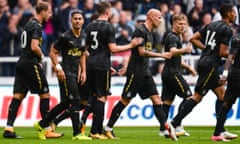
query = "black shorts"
{"x": 69, "y": 88}
{"x": 174, "y": 84}
{"x": 84, "y": 92}
{"x": 30, "y": 76}
{"x": 98, "y": 82}
{"x": 137, "y": 83}
{"x": 208, "y": 79}
{"x": 233, "y": 85}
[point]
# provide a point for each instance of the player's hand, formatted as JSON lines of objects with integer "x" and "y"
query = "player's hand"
{"x": 136, "y": 41}
{"x": 113, "y": 71}
{"x": 222, "y": 80}
{"x": 188, "y": 49}
{"x": 61, "y": 75}
{"x": 166, "y": 55}
{"x": 82, "y": 78}
{"x": 193, "y": 71}
{"x": 122, "y": 71}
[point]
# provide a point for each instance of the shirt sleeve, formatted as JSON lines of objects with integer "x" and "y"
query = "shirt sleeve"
{"x": 227, "y": 35}
{"x": 37, "y": 32}
{"x": 235, "y": 45}
{"x": 172, "y": 40}
{"x": 59, "y": 43}
{"x": 139, "y": 33}
{"x": 111, "y": 35}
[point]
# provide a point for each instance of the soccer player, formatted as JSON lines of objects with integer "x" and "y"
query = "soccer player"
{"x": 101, "y": 42}
{"x": 29, "y": 71}
{"x": 232, "y": 91}
{"x": 172, "y": 80}
{"x": 139, "y": 78}
{"x": 213, "y": 39}
{"x": 71, "y": 73}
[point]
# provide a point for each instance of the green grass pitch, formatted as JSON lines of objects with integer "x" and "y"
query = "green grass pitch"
{"x": 128, "y": 135}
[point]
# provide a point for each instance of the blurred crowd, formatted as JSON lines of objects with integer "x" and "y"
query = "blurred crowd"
{"x": 127, "y": 14}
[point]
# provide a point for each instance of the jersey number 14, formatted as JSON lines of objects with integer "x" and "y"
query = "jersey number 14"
{"x": 210, "y": 41}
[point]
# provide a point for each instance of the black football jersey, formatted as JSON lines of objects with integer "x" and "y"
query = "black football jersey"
{"x": 235, "y": 49}
{"x": 137, "y": 63}
{"x": 32, "y": 30}
{"x": 99, "y": 34}
{"x": 213, "y": 35}
{"x": 71, "y": 48}
{"x": 173, "y": 40}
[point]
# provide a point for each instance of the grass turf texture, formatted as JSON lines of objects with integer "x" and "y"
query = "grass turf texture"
{"x": 128, "y": 135}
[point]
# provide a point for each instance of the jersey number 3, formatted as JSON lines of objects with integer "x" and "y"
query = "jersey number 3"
{"x": 94, "y": 45}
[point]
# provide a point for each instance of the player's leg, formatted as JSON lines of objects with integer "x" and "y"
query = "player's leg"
{"x": 130, "y": 90}
{"x": 101, "y": 85}
{"x": 12, "y": 114}
{"x": 20, "y": 90}
{"x": 182, "y": 89}
{"x": 116, "y": 112}
{"x": 220, "y": 134}
{"x": 208, "y": 78}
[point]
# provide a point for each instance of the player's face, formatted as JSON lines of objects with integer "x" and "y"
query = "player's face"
{"x": 232, "y": 16}
{"x": 47, "y": 14}
{"x": 109, "y": 13}
{"x": 179, "y": 26}
{"x": 157, "y": 19}
{"x": 77, "y": 21}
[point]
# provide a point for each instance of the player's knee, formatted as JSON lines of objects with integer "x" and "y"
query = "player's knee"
{"x": 19, "y": 96}
{"x": 45, "y": 95}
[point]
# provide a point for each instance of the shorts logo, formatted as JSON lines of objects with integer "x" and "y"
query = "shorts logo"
{"x": 129, "y": 94}
{"x": 70, "y": 96}
{"x": 45, "y": 89}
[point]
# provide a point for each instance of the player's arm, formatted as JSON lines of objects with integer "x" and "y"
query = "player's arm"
{"x": 36, "y": 49}
{"x": 82, "y": 67}
{"x": 235, "y": 45}
{"x": 195, "y": 40}
{"x": 54, "y": 53}
{"x": 119, "y": 48}
{"x": 223, "y": 50}
{"x": 145, "y": 53}
{"x": 189, "y": 68}
{"x": 175, "y": 52}
{"x": 228, "y": 63}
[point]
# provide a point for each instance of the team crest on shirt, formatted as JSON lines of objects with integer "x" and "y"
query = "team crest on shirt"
{"x": 71, "y": 42}
{"x": 148, "y": 46}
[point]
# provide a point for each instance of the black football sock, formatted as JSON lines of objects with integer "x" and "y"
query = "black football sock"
{"x": 53, "y": 113}
{"x": 62, "y": 116}
{"x": 221, "y": 118}
{"x": 116, "y": 112}
{"x": 180, "y": 107}
{"x": 98, "y": 117}
{"x": 218, "y": 106}
{"x": 160, "y": 115}
{"x": 82, "y": 106}
{"x": 88, "y": 108}
{"x": 74, "y": 114}
{"x": 12, "y": 111}
{"x": 44, "y": 106}
{"x": 166, "y": 112}
{"x": 186, "y": 108}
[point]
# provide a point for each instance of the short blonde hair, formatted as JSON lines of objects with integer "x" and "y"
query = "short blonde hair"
{"x": 178, "y": 17}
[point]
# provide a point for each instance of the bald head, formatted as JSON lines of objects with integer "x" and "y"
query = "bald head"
{"x": 153, "y": 12}
{"x": 154, "y": 17}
